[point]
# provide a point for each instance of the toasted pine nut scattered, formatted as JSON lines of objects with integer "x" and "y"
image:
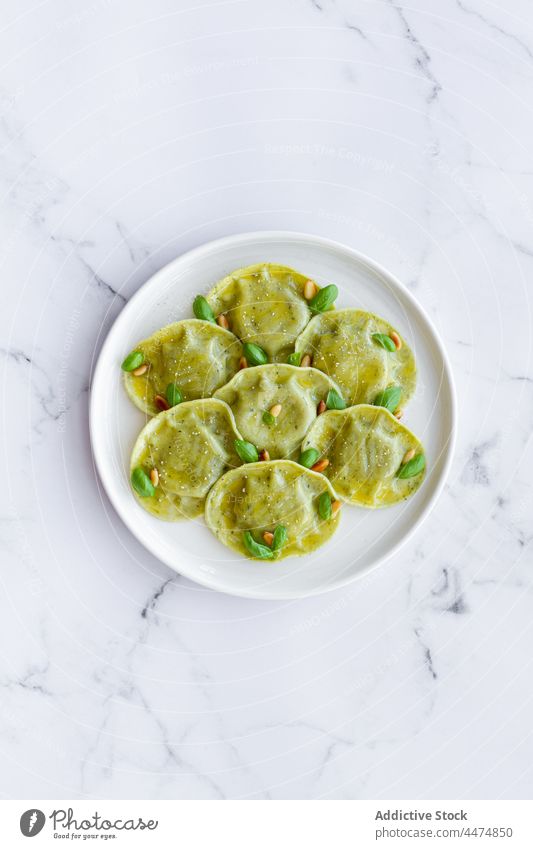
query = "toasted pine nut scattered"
{"x": 335, "y": 507}
{"x": 321, "y": 408}
{"x": 306, "y": 361}
{"x": 398, "y": 414}
{"x": 154, "y": 477}
{"x": 243, "y": 362}
{"x": 268, "y": 537}
{"x": 321, "y": 465}
{"x": 396, "y": 339}
{"x": 310, "y": 290}
{"x": 161, "y": 403}
{"x": 222, "y": 321}
{"x": 141, "y": 370}
{"x": 408, "y": 456}
{"x": 264, "y": 455}
{"x": 275, "y": 410}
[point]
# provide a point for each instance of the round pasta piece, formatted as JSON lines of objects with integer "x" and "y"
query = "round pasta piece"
{"x": 188, "y": 447}
{"x": 374, "y": 461}
{"x": 258, "y": 498}
{"x": 196, "y": 356}
{"x": 264, "y": 305}
{"x": 352, "y": 347}
{"x": 293, "y": 395}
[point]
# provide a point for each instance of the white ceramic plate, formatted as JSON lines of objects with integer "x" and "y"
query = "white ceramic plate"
{"x": 364, "y": 537}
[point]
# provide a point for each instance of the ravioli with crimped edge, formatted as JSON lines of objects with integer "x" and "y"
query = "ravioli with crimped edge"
{"x": 362, "y": 352}
{"x": 253, "y": 508}
{"x": 195, "y": 357}
{"x": 264, "y": 305}
{"x": 179, "y": 455}
{"x": 373, "y": 460}
{"x": 274, "y": 405}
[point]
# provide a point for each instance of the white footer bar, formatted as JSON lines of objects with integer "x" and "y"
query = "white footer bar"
{"x": 267, "y": 824}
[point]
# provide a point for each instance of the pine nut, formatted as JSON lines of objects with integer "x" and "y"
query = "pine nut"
{"x": 275, "y": 410}
{"x": 321, "y": 465}
{"x": 310, "y": 290}
{"x": 268, "y": 537}
{"x": 321, "y": 408}
{"x": 264, "y": 455}
{"x": 408, "y": 456}
{"x": 396, "y": 339}
{"x": 335, "y": 507}
{"x": 154, "y": 477}
{"x": 398, "y": 414}
{"x": 141, "y": 370}
{"x": 161, "y": 403}
{"x": 306, "y": 361}
{"x": 243, "y": 363}
{"x": 222, "y": 321}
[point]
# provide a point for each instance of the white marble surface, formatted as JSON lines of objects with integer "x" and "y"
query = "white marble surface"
{"x": 132, "y": 131}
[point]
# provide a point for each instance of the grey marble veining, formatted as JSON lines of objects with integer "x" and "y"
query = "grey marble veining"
{"x": 128, "y": 136}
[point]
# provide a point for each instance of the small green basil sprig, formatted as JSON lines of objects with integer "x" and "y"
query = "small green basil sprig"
{"x": 257, "y": 549}
{"x": 202, "y": 310}
{"x": 266, "y": 552}
{"x": 141, "y": 483}
{"x": 334, "y": 401}
{"x": 385, "y": 341}
{"x": 133, "y": 361}
{"x": 389, "y": 398}
{"x": 324, "y": 506}
{"x": 254, "y": 354}
{"x": 412, "y": 467}
{"x": 246, "y": 451}
{"x": 173, "y": 394}
{"x": 280, "y": 538}
{"x": 308, "y": 457}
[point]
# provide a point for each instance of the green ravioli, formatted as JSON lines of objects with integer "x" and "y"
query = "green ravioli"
{"x": 196, "y": 356}
{"x": 347, "y": 346}
{"x": 259, "y": 497}
{"x": 254, "y": 391}
{"x": 264, "y": 305}
{"x": 190, "y": 446}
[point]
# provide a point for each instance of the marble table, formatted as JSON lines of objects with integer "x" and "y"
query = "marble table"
{"x": 131, "y": 132}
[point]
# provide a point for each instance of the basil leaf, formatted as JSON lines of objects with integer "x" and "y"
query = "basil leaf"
{"x": 389, "y": 398}
{"x": 295, "y": 358}
{"x": 324, "y": 506}
{"x": 308, "y": 457}
{"x": 201, "y": 309}
{"x": 324, "y": 299}
{"x": 280, "y": 538}
{"x": 133, "y": 361}
{"x": 263, "y": 552}
{"x": 255, "y": 356}
{"x": 141, "y": 483}
{"x": 384, "y": 340}
{"x": 173, "y": 394}
{"x": 412, "y": 468}
{"x": 334, "y": 401}
{"x": 268, "y": 418}
{"x": 246, "y": 451}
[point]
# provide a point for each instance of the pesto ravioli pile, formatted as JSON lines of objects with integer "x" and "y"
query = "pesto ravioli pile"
{"x": 268, "y": 410}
